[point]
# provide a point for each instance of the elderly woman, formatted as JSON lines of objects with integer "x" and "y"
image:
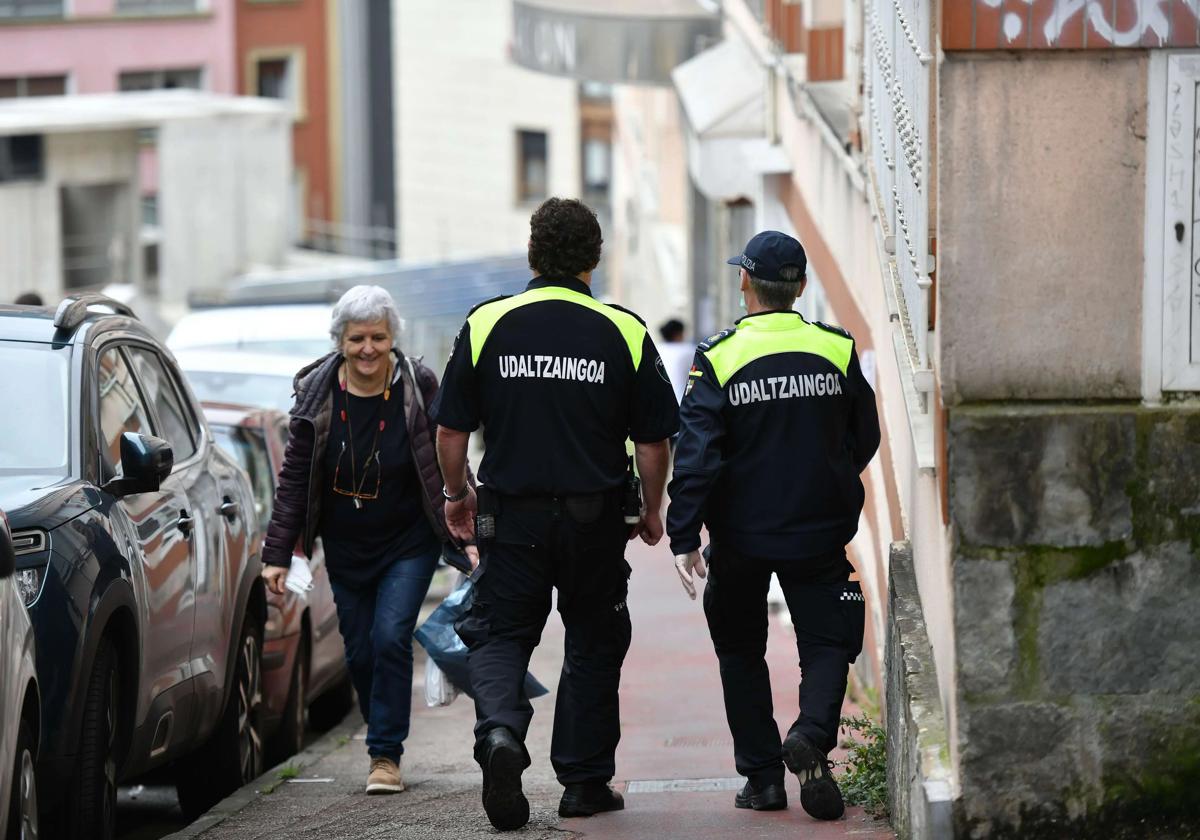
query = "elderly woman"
{"x": 360, "y": 471}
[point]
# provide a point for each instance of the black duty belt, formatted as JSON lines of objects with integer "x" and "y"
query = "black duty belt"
{"x": 553, "y": 503}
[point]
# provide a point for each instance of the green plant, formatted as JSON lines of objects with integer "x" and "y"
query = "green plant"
{"x": 288, "y": 771}
{"x": 343, "y": 740}
{"x": 865, "y": 780}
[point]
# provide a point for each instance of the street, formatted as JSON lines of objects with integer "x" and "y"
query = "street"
{"x": 675, "y": 762}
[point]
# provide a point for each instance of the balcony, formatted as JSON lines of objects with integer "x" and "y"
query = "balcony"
{"x": 613, "y": 41}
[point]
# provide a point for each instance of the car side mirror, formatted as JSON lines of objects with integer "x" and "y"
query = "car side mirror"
{"x": 145, "y": 462}
{"x": 8, "y": 557}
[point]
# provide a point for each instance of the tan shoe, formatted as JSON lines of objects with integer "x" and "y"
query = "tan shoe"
{"x": 384, "y": 776}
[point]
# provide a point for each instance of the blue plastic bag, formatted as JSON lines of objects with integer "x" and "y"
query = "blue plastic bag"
{"x": 440, "y": 640}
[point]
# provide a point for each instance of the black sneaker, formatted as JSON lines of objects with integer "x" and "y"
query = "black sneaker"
{"x": 819, "y": 793}
{"x": 588, "y": 798}
{"x": 769, "y": 798}
{"x": 503, "y": 759}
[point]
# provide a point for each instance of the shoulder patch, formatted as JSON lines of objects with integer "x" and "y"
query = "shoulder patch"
{"x": 715, "y": 339}
{"x": 627, "y": 312}
{"x": 831, "y": 328}
{"x": 483, "y": 303}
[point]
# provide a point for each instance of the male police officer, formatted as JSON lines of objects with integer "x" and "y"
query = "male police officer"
{"x": 559, "y": 381}
{"x": 776, "y": 426}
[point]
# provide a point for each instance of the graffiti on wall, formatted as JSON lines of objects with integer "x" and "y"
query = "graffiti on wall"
{"x": 1069, "y": 24}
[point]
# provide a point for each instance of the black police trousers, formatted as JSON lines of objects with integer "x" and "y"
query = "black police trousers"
{"x": 576, "y": 545}
{"x": 827, "y": 613}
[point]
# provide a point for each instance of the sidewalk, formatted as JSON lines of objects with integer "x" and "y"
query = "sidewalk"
{"x": 675, "y": 762}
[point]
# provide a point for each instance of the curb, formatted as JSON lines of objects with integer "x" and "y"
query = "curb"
{"x": 269, "y": 781}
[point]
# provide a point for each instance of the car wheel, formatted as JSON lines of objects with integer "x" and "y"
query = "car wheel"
{"x": 23, "y": 807}
{"x": 328, "y": 710}
{"x": 289, "y": 740}
{"x": 233, "y": 754}
{"x": 93, "y": 813}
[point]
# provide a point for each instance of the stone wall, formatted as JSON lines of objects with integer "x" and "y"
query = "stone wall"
{"x": 1077, "y": 585}
{"x": 919, "y": 789}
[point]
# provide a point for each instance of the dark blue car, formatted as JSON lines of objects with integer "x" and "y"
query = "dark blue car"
{"x": 135, "y": 538}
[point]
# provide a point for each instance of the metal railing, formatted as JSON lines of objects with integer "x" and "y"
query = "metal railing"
{"x": 898, "y": 68}
{"x": 372, "y": 242}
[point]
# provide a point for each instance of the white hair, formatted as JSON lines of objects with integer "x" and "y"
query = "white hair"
{"x": 364, "y": 304}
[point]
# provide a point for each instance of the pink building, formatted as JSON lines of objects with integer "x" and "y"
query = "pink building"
{"x": 50, "y": 47}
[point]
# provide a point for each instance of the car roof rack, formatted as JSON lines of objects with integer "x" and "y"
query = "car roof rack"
{"x": 73, "y": 309}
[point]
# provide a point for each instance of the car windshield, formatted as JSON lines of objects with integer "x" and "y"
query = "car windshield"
{"x": 260, "y": 390}
{"x": 35, "y": 429}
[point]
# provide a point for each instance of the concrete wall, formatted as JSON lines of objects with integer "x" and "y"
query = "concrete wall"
{"x": 1040, "y": 185}
{"x": 1076, "y": 576}
{"x": 31, "y": 257}
{"x": 223, "y": 200}
{"x": 93, "y": 48}
{"x": 829, "y": 209}
{"x": 460, "y": 102}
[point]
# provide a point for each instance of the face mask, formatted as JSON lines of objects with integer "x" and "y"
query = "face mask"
{"x": 742, "y": 301}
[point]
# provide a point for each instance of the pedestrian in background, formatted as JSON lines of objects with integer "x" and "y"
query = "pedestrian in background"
{"x": 676, "y": 354}
{"x": 777, "y": 424}
{"x": 360, "y": 472}
{"x": 559, "y": 382}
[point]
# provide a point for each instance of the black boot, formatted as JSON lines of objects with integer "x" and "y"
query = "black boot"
{"x": 767, "y": 798}
{"x": 583, "y": 800}
{"x": 819, "y": 793}
{"x": 503, "y": 759}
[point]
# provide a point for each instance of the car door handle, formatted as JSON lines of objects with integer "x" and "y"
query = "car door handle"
{"x": 184, "y": 523}
{"x": 229, "y": 509}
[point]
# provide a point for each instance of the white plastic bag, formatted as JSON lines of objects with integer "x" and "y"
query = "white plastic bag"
{"x": 439, "y": 691}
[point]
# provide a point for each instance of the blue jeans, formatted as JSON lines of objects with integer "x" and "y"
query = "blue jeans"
{"x": 377, "y": 624}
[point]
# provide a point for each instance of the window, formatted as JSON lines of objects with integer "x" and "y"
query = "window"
{"x": 18, "y": 86}
{"x": 277, "y": 73}
{"x": 155, "y": 7}
{"x": 532, "y": 174}
{"x": 597, "y": 160}
{"x": 21, "y": 158}
{"x": 30, "y": 8}
{"x": 249, "y": 448}
{"x": 175, "y": 424}
{"x": 121, "y": 408}
{"x": 273, "y": 78}
{"x": 191, "y": 78}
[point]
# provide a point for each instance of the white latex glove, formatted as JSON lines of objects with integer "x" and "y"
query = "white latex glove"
{"x": 684, "y": 563}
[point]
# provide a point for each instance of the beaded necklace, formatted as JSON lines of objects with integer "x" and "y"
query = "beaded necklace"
{"x": 356, "y": 483}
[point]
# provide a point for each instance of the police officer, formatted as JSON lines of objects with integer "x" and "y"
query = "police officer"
{"x": 559, "y": 382}
{"x": 776, "y": 426}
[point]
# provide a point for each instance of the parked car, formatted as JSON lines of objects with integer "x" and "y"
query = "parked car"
{"x": 136, "y": 537}
{"x": 278, "y": 329}
{"x": 304, "y": 664}
{"x": 20, "y": 725}
{"x": 241, "y": 377}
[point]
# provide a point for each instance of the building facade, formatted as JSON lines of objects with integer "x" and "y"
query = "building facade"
{"x": 55, "y": 47}
{"x": 480, "y": 141}
{"x": 70, "y": 173}
{"x": 995, "y": 202}
{"x": 284, "y": 52}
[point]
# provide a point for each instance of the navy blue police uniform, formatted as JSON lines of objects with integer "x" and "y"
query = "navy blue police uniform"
{"x": 559, "y": 382}
{"x": 777, "y": 423}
